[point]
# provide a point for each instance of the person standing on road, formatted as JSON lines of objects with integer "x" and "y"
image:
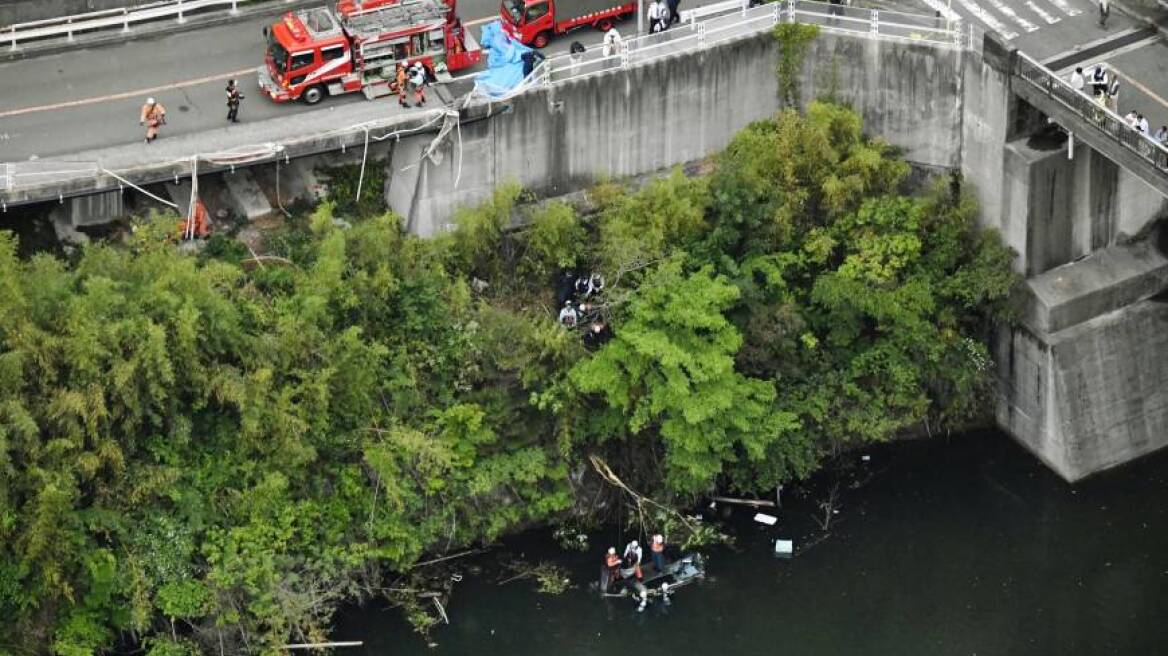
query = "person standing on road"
{"x": 418, "y": 82}
{"x": 400, "y": 82}
{"x": 1104, "y": 11}
{"x": 153, "y": 116}
{"x": 233, "y": 99}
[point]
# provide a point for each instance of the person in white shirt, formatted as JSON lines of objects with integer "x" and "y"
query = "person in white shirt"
{"x": 1141, "y": 123}
{"x": 657, "y": 16}
{"x": 1130, "y": 119}
{"x": 612, "y": 42}
{"x": 1077, "y": 79}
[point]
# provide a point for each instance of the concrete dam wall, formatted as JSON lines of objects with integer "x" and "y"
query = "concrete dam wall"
{"x": 675, "y": 110}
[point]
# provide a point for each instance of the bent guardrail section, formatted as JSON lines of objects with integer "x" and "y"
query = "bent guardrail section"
{"x": 1144, "y": 155}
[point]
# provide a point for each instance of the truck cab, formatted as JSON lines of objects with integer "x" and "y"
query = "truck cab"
{"x": 534, "y": 22}
{"x": 305, "y": 52}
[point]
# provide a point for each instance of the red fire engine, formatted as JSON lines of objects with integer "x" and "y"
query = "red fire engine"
{"x": 533, "y": 22}
{"x": 357, "y": 46}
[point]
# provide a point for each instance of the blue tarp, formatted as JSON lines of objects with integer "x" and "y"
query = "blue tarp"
{"x": 504, "y": 62}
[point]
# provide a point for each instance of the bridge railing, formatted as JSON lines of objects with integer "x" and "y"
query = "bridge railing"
{"x": 121, "y": 18}
{"x": 709, "y": 25}
{"x": 1106, "y": 121}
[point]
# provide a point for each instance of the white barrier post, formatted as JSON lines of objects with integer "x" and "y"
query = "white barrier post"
{"x": 69, "y": 29}
{"x": 125, "y": 19}
{"x": 234, "y": 7}
{"x": 875, "y": 22}
{"x": 180, "y": 12}
{"x": 13, "y": 37}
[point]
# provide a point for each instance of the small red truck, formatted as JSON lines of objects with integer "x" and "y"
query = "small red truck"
{"x": 533, "y": 22}
{"x": 312, "y": 53}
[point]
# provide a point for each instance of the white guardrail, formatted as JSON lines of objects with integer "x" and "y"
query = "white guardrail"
{"x": 712, "y": 24}
{"x": 121, "y": 18}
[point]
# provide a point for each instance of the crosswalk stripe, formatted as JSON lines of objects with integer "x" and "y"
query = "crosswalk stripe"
{"x": 1050, "y": 20}
{"x": 1065, "y": 7}
{"x": 1010, "y": 13}
{"x": 985, "y": 17}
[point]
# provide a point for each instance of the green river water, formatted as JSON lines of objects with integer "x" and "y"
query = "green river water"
{"x": 962, "y": 545}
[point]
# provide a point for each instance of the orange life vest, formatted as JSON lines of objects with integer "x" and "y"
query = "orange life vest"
{"x": 657, "y": 547}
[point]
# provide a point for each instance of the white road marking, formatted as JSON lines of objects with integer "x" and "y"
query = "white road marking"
{"x": 1050, "y": 20}
{"x": 1013, "y": 15}
{"x": 987, "y": 18}
{"x": 1065, "y": 7}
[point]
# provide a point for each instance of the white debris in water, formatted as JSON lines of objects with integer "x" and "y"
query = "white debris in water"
{"x": 764, "y": 518}
{"x": 784, "y": 547}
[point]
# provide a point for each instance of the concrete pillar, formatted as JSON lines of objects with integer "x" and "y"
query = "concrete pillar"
{"x": 95, "y": 209}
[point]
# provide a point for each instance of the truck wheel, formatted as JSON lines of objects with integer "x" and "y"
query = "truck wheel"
{"x": 313, "y": 95}
{"x": 541, "y": 40}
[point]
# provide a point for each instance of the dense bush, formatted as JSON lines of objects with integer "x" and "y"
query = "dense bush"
{"x": 196, "y": 450}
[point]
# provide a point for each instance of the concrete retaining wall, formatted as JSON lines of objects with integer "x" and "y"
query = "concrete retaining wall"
{"x": 680, "y": 109}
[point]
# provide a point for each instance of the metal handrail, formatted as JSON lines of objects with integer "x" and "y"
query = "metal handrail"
{"x": 1096, "y": 115}
{"x": 109, "y": 18}
{"x": 712, "y": 24}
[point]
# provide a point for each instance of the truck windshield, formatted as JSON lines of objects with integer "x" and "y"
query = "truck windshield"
{"x": 278, "y": 53}
{"x": 513, "y": 9}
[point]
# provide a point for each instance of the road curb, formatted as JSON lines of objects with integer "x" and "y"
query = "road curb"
{"x": 149, "y": 30}
{"x": 1099, "y": 46}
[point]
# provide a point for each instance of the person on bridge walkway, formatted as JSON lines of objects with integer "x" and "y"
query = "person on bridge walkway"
{"x": 658, "y": 15}
{"x": 1104, "y": 12}
{"x": 1099, "y": 79}
{"x": 612, "y": 42}
{"x": 835, "y": 9}
{"x": 674, "y": 14}
{"x": 1113, "y": 94}
{"x": 233, "y": 99}
{"x": 1078, "y": 80}
{"x": 153, "y": 115}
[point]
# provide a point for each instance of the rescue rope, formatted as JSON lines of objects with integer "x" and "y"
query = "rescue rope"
{"x": 134, "y": 186}
{"x": 189, "y": 229}
{"x": 361, "y": 177}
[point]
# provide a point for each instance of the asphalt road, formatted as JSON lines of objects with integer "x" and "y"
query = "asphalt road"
{"x": 84, "y": 99}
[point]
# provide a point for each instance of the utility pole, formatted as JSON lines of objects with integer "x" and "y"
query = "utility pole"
{"x": 640, "y": 17}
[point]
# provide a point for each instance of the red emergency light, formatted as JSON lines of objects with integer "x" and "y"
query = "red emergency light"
{"x": 295, "y": 27}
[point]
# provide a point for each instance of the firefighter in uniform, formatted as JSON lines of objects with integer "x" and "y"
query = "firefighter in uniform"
{"x": 400, "y": 81}
{"x": 233, "y": 99}
{"x": 153, "y": 115}
{"x": 418, "y": 82}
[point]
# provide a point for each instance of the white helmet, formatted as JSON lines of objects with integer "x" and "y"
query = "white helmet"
{"x": 612, "y": 550}
{"x": 634, "y": 544}
{"x": 149, "y": 101}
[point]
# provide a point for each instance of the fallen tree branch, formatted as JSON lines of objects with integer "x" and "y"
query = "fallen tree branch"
{"x": 433, "y": 561}
{"x": 640, "y": 500}
{"x": 757, "y": 503}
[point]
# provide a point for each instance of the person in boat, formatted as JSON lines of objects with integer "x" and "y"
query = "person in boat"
{"x": 612, "y": 564}
{"x": 657, "y": 549}
{"x": 632, "y": 561}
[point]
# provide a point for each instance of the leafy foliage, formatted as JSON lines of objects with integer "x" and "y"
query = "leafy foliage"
{"x": 194, "y": 452}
